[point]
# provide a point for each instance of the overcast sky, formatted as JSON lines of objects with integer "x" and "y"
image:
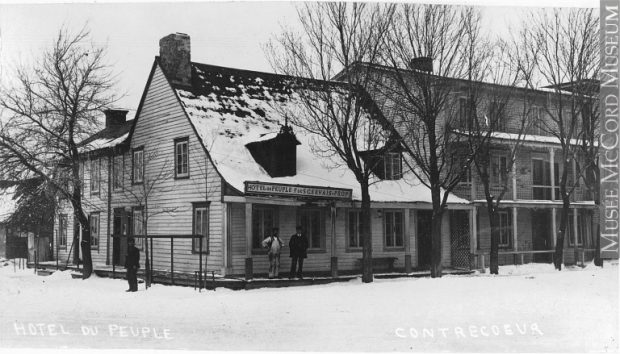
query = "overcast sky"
{"x": 222, "y": 33}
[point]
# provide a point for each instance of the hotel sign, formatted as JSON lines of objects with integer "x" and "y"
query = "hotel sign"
{"x": 288, "y": 190}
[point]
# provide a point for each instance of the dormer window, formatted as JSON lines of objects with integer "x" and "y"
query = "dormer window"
{"x": 393, "y": 166}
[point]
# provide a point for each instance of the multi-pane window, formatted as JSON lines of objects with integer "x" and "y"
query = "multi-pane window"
{"x": 138, "y": 226}
{"x": 465, "y": 177}
{"x": 94, "y": 230}
{"x": 117, "y": 172}
{"x": 62, "y": 231}
{"x": 394, "y": 228}
{"x": 201, "y": 227}
{"x": 181, "y": 160}
{"x": 536, "y": 121}
{"x": 95, "y": 176}
{"x": 581, "y": 230}
{"x": 541, "y": 179}
{"x": 264, "y": 219}
{"x": 393, "y": 166}
{"x": 505, "y": 228}
{"x": 138, "y": 166}
{"x": 354, "y": 226}
{"x": 499, "y": 170}
{"x": 464, "y": 116}
{"x": 495, "y": 118}
{"x": 312, "y": 225}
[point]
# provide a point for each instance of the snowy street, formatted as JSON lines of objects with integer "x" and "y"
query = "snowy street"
{"x": 527, "y": 308}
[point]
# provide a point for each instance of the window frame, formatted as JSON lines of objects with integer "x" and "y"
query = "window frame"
{"x": 195, "y": 241}
{"x": 118, "y": 171}
{"x": 95, "y": 163}
{"x": 505, "y": 228}
{"x": 178, "y": 142}
{"x": 497, "y": 177}
{"x": 135, "y": 151}
{"x": 386, "y": 216}
{"x": 257, "y": 239}
{"x": 357, "y": 213}
{"x": 463, "y": 113}
{"x": 94, "y": 241}
{"x": 570, "y": 232}
{"x": 62, "y": 231}
{"x": 391, "y": 157}
{"x": 322, "y": 228}
{"x": 139, "y": 240}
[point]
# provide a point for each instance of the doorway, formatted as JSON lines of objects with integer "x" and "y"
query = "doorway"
{"x": 541, "y": 235}
{"x": 459, "y": 239}
{"x": 425, "y": 218}
{"x": 119, "y": 244}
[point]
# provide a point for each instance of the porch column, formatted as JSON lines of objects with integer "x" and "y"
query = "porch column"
{"x": 473, "y": 230}
{"x": 248, "y": 241}
{"x": 514, "y": 179}
{"x": 334, "y": 257}
{"x": 553, "y": 225}
{"x": 407, "y": 241}
{"x": 552, "y": 169}
{"x": 225, "y": 239}
{"x": 515, "y": 237}
{"x": 575, "y": 230}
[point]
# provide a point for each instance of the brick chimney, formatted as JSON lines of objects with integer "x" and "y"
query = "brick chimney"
{"x": 174, "y": 54}
{"x": 422, "y": 64}
{"x": 115, "y": 117}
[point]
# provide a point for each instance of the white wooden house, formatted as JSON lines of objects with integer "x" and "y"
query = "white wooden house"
{"x": 210, "y": 153}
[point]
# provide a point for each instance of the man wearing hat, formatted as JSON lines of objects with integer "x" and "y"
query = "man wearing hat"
{"x": 298, "y": 245}
{"x": 132, "y": 263}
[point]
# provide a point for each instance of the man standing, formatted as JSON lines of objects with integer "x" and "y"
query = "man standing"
{"x": 132, "y": 263}
{"x": 273, "y": 244}
{"x": 299, "y": 246}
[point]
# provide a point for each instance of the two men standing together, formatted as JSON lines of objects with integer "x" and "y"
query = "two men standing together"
{"x": 298, "y": 245}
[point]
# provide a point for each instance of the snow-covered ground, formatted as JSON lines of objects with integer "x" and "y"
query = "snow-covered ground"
{"x": 528, "y": 308}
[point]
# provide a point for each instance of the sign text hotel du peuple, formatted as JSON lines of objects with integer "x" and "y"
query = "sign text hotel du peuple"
{"x": 288, "y": 190}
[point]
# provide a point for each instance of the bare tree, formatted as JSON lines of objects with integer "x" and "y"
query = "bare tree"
{"x": 334, "y": 37}
{"x": 492, "y": 105}
{"x": 445, "y": 44}
{"x": 49, "y": 108}
{"x": 563, "y": 47}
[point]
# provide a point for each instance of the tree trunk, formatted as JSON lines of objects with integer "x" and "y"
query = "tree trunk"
{"x": 436, "y": 232}
{"x": 436, "y": 267}
{"x": 559, "y": 245}
{"x": 87, "y": 261}
{"x": 367, "y": 274}
{"x": 495, "y": 231}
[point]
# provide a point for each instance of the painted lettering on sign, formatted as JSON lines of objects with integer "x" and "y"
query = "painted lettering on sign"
{"x": 299, "y": 191}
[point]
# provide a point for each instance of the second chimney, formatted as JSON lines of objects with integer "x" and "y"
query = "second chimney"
{"x": 174, "y": 54}
{"x": 422, "y": 64}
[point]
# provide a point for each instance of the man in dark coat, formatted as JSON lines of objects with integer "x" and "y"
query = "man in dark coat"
{"x": 132, "y": 263}
{"x": 298, "y": 245}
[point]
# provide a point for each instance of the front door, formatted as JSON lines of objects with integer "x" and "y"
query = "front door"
{"x": 119, "y": 244}
{"x": 541, "y": 235}
{"x": 459, "y": 238}
{"x": 425, "y": 218}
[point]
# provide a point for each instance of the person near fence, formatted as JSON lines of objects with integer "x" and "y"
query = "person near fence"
{"x": 298, "y": 245}
{"x": 273, "y": 244}
{"x": 132, "y": 263}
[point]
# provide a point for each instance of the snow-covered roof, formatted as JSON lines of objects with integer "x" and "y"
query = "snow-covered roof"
{"x": 106, "y": 138}
{"x": 542, "y": 139}
{"x": 7, "y": 203}
{"x": 230, "y": 108}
